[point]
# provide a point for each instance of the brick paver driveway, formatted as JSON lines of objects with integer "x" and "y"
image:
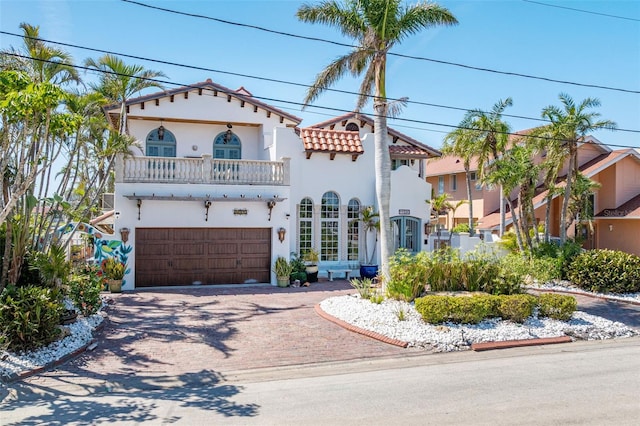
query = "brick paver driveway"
{"x": 178, "y": 331}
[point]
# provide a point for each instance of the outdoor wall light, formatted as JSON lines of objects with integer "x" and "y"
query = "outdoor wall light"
{"x": 139, "y": 204}
{"x": 124, "y": 234}
{"x": 207, "y": 204}
{"x": 228, "y": 134}
{"x": 271, "y": 204}
{"x": 281, "y": 233}
{"x": 161, "y": 131}
{"x": 610, "y": 228}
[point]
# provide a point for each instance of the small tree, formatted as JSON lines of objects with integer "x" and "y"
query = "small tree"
{"x": 370, "y": 221}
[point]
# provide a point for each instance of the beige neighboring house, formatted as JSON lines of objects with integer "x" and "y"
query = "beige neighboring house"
{"x": 616, "y": 223}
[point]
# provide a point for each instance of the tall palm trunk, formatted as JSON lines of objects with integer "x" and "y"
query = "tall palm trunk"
{"x": 567, "y": 192}
{"x": 469, "y": 197}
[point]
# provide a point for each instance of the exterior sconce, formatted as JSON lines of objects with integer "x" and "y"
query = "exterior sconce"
{"x": 124, "y": 234}
{"x": 228, "y": 134}
{"x": 281, "y": 233}
{"x": 610, "y": 228}
{"x": 161, "y": 131}
{"x": 139, "y": 204}
{"x": 207, "y": 204}
{"x": 270, "y": 204}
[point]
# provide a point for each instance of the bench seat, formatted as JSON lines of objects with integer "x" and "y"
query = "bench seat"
{"x": 346, "y": 272}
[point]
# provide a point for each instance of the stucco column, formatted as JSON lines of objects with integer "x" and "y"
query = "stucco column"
{"x": 286, "y": 177}
{"x": 343, "y": 232}
{"x": 207, "y": 167}
{"x": 317, "y": 208}
{"x": 119, "y": 168}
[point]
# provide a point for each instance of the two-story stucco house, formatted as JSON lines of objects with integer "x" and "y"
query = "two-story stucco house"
{"x": 223, "y": 184}
{"x": 616, "y": 204}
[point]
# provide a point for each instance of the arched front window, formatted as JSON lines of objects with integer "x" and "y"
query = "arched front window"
{"x": 329, "y": 226}
{"x": 227, "y": 146}
{"x": 353, "y": 232}
{"x": 161, "y": 142}
{"x": 305, "y": 225}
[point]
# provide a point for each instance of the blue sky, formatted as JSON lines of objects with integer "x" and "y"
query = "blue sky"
{"x": 513, "y": 36}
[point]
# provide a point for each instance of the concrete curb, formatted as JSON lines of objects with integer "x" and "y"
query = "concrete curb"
{"x": 7, "y": 379}
{"x": 359, "y": 330}
{"x": 486, "y": 346}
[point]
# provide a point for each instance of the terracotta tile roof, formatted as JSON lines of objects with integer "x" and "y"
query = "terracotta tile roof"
{"x": 408, "y": 151}
{"x": 392, "y": 132}
{"x": 332, "y": 141}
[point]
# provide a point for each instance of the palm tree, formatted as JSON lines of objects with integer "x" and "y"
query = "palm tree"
{"x": 42, "y": 62}
{"x": 370, "y": 223}
{"x": 377, "y": 26}
{"x": 460, "y": 144}
{"x": 491, "y": 138}
{"x": 119, "y": 81}
{"x": 571, "y": 123}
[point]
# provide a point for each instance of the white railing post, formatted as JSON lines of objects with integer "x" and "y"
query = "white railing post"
{"x": 207, "y": 167}
{"x": 119, "y": 168}
{"x": 286, "y": 173}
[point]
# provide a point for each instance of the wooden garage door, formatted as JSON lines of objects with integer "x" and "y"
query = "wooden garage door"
{"x": 181, "y": 256}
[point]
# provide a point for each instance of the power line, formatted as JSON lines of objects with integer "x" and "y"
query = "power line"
{"x": 195, "y": 67}
{"x": 582, "y": 10}
{"x": 420, "y": 58}
{"x": 263, "y": 98}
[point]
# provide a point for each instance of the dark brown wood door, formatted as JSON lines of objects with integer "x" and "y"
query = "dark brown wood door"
{"x": 182, "y": 256}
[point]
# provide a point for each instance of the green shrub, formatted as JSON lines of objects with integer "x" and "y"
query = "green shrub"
{"x": 84, "y": 289}
{"x": 606, "y": 271}
{"x": 556, "y": 306}
{"x": 376, "y": 298}
{"x": 434, "y": 309}
{"x": 517, "y": 307}
{"x": 461, "y": 227}
{"x": 408, "y": 275}
{"x": 474, "y": 309}
{"x": 437, "y": 309}
{"x": 29, "y": 317}
{"x": 543, "y": 268}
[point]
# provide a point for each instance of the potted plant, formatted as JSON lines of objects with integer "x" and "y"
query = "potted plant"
{"x": 311, "y": 258}
{"x": 298, "y": 268}
{"x": 282, "y": 269}
{"x": 114, "y": 271}
{"x": 370, "y": 223}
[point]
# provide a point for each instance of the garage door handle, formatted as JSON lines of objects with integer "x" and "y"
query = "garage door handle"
{"x": 238, "y": 262}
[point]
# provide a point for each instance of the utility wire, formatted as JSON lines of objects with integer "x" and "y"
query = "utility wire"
{"x": 419, "y": 58}
{"x": 582, "y": 10}
{"x": 195, "y": 67}
{"x": 232, "y": 92}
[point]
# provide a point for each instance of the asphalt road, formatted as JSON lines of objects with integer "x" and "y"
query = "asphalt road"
{"x": 585, "y": 383}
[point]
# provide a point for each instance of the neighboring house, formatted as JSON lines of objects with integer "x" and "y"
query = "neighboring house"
{"x": 224, "y": 183}
{"x": 616, "y": 222}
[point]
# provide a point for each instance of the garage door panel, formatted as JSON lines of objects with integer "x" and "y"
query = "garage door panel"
{"x": 154, "y": 249}
{"x": 224, "y": 248}
{"x": 188, "y": 249}
{"x": 180, "y": 256}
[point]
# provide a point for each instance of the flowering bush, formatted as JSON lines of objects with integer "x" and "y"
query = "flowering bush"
{"x": 85, "y": 285}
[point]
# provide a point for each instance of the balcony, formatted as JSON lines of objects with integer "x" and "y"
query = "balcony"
{"x": 205, "y": 170}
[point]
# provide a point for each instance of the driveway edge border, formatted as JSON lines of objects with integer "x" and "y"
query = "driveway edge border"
{"x": 359, "y": 330}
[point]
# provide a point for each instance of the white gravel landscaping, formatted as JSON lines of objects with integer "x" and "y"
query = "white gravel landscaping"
{"x": 384, "y": 319}
{"x": 80, "y": 334}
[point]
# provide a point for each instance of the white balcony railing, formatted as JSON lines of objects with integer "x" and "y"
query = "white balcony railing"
{"x": 202, "y": 170}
